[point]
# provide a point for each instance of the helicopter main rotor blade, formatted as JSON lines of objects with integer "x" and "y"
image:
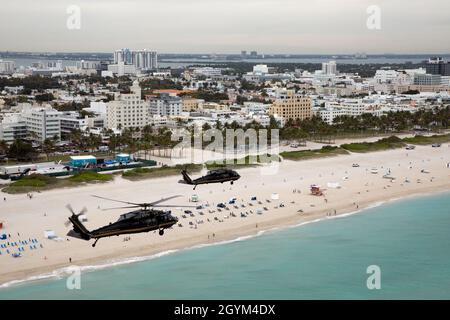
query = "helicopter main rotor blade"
{"x": 152, "y": 204}
{"x": 115, "y": 208}
{"x": 126, "y": 202}
{"x": 172, "y": 206}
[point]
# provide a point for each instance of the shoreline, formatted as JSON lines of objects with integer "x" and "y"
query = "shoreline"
{"x": 100, "y": 263}
{"x": 358, "y": 190}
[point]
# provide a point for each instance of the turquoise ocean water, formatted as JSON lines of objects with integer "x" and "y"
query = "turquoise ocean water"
{"x": 408, "y": 239}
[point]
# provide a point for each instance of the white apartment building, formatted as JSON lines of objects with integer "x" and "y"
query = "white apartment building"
{"x": 121, "y": 69}
{"x": 127, "y": 110}
{"x": 208, "y": 72}
{"x": 7, "y": 67}
{"x": 70, "y": 121}
{"x": 328, "y": 114}
{"x": 43, "y": 123}
{"x": 88, "y": 64}
{"x": 166, "y": 105}
{"x": 256, "y": 107}
{"x": 260, "y": 69}
{"x": 140, "y": 59}
{"x": 13, "y": 127}
{"x": 329, "y": 67}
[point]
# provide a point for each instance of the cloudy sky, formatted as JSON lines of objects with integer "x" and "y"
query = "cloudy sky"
{"x": 227, "y": 26}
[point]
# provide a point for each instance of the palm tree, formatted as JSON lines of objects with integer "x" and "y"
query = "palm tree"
{"x": 48, "y": 146}
{"x": 3, "y": 147}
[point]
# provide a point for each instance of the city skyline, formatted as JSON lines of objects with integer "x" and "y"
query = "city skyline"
{"x": 268, "y": 26}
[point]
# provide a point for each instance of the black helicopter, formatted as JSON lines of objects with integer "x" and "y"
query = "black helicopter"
{"x": 144, "y": 219}
{"x": 213, "y": 176}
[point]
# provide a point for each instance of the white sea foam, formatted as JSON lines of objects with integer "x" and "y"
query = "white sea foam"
{"x": 66, "y": 271}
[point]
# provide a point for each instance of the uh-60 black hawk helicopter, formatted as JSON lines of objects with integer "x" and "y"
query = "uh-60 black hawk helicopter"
{"x": 213, "y": 176}
{"x": 144, "y": 219}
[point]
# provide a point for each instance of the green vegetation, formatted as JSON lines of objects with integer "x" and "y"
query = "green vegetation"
{"x": 422, "y": 140}
{"x": 30, "y": 83}
{"x": 248, "y": 161}
{"x": 159, "y": 84}
{"x": 164, "y": 171}
{"x": 44, "y": 97}
{"x": 38, "y": 182}
{"x": 209, "y": 96}
{"x": 90, "y": 177}
{"x": 22, "y": 151}
{"x": 392, "y": 142}
{"x": 326, "y": 151}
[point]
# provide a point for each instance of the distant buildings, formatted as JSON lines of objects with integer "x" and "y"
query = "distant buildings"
{"x": 47, "y": 69}
{"x": 246, "y": 55}
{"x": 261, "y": 73}
{"x": 7, "y": 67}
{"x": 140, "y": 59}
{"x": 427, "y": 79}
{"x": 120, "y": 69}
{"x": 208, "y": 72}
{"x": 292, "y": 106}
{"x": 329, "y": 68}
{"x": 437, "y": 66}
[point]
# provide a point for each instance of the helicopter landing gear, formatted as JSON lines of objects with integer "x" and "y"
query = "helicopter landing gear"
{"x": 161, "y": 232}
{"x": 95, "y": 242}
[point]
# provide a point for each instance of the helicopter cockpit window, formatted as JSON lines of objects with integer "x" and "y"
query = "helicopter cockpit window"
{"x": 126, "y": 216}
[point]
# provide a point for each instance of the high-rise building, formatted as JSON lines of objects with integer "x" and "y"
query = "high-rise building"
{"x": 141, "y": 59}
{"x": 7, "y": 67}
{"x": 437, "y": 65}
{"x": 329, "y": 67}
{"x": 292, "y": 106}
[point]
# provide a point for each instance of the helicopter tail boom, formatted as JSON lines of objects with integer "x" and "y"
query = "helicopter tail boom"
{"x": 186, "y": 177}
{"x": 79, "y": 230}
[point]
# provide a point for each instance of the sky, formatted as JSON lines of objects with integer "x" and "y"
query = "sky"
{"x": 227, "y": 26}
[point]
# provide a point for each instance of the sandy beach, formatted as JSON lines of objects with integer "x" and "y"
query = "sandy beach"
{"x": 26, "y": 218}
